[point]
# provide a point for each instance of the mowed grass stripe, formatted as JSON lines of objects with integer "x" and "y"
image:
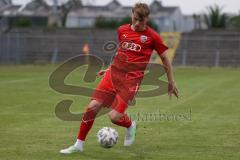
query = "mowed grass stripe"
{"x": 29, "y": 128}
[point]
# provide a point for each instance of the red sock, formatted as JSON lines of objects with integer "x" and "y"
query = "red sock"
{"x": 124, "y": 121}
{"x": 86, "y": 124}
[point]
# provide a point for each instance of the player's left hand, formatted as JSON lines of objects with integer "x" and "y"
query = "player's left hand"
{"x": 172, "y": 89}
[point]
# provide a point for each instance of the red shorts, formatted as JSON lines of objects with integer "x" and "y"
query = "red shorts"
{"x": 115, "y": 92}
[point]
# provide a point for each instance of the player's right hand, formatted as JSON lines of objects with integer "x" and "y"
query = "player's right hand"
{"x": 101, "y": 73}
{"x": 172, "y": 90}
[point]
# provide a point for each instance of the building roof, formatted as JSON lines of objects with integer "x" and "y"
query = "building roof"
{"x": 111, "y": 10}
{"x": 36, "y": 5}
{"x": 9, "y": 10}
{"x": 37, "y": 8}
{"x": 5, "y": 2}
{"x": 115, "y": 10}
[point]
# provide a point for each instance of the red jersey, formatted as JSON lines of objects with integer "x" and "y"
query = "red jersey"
{"x": 136, "y": 48}
{"x": 121, "y": 82}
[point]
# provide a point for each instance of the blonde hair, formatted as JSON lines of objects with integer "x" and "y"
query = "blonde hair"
{"x": 141, "y": 9}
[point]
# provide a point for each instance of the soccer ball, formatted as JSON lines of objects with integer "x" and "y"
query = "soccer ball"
{"x": 107, "y": 137}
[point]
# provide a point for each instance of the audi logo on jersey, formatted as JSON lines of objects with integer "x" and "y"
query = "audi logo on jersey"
{"x": 130, "y": 46}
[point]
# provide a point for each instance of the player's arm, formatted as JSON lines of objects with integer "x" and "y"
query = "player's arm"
{"x": 172, "y": 88}
{"x": 161, "y": 50}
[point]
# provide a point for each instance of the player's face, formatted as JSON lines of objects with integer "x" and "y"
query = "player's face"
{"x": 138, "y": 23}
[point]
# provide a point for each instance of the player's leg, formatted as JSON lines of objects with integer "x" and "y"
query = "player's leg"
{"x": 88, "y": 118}
{"x": 120, "y": 118}
{"x": 103, "y": 95}
{"x": 87, "y": 121}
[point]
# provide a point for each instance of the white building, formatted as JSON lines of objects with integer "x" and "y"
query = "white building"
{"x": 167, "y": 18}
{"x": 84, "y": 16}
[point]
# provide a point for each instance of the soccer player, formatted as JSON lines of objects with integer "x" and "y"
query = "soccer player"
{"x": 121, "y": 80}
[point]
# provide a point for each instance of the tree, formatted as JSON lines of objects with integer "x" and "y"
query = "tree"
{"x": 65, "y": 8}
{"x": 197, "y": 21}
{"x": 125, "y": 20}
{"x": 234, "y": 22}
{"x": 153, "y": 25}
{"x": 59, "y": 11}
{"x": 102, "y": 22}
{"x": 22, "y": 22}
{"x": 215, "y": 17}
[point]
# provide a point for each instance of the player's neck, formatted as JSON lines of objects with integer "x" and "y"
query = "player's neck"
{"x": 133, "y": 29}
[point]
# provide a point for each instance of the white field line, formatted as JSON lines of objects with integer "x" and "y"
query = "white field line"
{"x": 20, "y": 80}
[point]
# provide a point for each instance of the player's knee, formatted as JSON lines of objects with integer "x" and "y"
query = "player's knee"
{"x": 94, "y": 104}
{"x": 93, "y": 108}
{"x": 114, "y": 117}
{"x": 91, "y": 111}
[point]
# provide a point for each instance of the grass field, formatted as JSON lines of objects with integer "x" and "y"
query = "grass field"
{"x": 29, "y": 128}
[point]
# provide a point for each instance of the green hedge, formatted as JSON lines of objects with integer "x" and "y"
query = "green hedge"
{"x": 102, "y": 22}
{"x": 22, "y": 22}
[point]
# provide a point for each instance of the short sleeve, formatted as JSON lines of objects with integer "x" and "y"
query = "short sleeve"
{"x": 158, "y": 44}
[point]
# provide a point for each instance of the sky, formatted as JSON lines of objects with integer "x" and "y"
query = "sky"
{"x": 186, "y": 6}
